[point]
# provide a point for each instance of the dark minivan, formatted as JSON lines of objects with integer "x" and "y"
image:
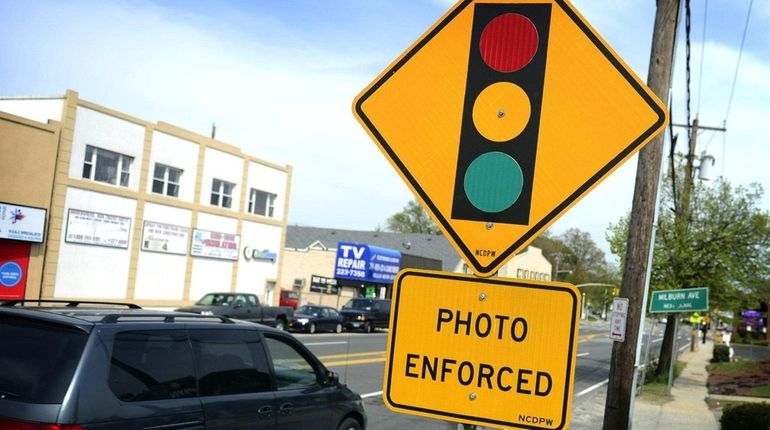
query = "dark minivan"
{"x": 366, "y": 314}
{"x": 77, "y": 367}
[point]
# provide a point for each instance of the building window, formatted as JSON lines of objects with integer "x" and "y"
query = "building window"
{"x": 261, "y": 202}
{"x": 222, "y": 193}
{"x": 166, "y": 180}
{"x": 106, "y": 166}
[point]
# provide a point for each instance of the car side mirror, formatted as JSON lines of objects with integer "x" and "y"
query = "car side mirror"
{"x": 238, "y": 304}
{"x": 331, "y": 378}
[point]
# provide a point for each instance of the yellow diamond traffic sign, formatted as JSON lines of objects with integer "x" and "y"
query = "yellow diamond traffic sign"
{"x": 488, "y": 351}
{"x": 502, "y": 116}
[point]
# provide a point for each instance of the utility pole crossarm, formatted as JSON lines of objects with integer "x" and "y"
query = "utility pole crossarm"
{"x": 699, "y": 127}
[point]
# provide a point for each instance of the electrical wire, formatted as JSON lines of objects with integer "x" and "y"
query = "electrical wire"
{"x": 687, "y": 61}
{"x": 702, "y": 55}
{"x": 738, "y": 63}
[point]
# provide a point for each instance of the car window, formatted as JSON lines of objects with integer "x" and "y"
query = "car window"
{"x": 291, "y": 369}
{"x": 333, "y": 313}
{"x": 252, "y": 300}
{"x": 308, "y": 310}
{"x": 37, "y": 359}
{"x": 361, "y": 304}
{"x": 240, "y": 300}
{"x": 230, "y": 362}
{"x": 324, "y": 312}
{"x": 152, "y": 365}
{"x": 215, "y": 300}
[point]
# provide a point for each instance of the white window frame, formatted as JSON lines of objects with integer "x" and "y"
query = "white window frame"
{"x": 122, "y": 175}
{"x": 269, "y": 202}
{"x": 165, "y": 180}
{"x": 222, "y": 193}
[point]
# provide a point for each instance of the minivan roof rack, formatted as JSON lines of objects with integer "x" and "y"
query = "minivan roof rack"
{"x": 113, "y": 318}
{"x": 69, "y": 303}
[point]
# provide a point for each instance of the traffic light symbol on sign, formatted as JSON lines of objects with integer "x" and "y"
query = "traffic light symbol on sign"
{"x": 501, "y": 113}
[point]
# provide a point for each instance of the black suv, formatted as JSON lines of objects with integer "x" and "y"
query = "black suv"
{"x": 80, "y": 367}
{"x": 366, "y": 314}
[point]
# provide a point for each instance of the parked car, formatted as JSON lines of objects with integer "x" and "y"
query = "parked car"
{"x": 241, "y": 306}
{"x": 366, "y": 314}
{"x": 289, "y": 298}
{"x": 102, "y": 368}
{"x": 312, "y": 318}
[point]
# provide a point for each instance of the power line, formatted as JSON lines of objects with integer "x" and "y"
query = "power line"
{"x": 738, "y": 63}
{"x": 687, "y": 58}
{"x": 702, "y": 54}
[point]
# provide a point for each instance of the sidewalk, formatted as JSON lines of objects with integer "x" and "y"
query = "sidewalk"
{"x": 687, "y": 408}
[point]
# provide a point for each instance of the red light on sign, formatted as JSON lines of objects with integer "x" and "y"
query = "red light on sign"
{"x": 508, "y": 42}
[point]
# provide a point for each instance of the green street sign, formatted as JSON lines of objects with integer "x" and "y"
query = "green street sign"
{"x": 684, "y": 300}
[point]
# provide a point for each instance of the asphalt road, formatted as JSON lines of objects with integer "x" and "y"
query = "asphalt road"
{"x": 359, "y": 359}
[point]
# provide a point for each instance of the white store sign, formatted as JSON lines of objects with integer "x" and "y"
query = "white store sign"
{"x": 93, "y": 228}
{"x": 168, "y": 238}
{"x": 22, "y": 223}
{"x": 214, "y": 244}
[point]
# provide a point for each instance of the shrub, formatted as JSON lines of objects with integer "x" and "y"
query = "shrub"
{"x": 746, "y": 416}
{"x": 721, "y": 353}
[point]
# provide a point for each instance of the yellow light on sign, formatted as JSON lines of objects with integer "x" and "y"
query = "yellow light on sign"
{"x": 497, "y": 352}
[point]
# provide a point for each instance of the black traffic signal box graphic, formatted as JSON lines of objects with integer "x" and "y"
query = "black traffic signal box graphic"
{"x": 501, "y": 113}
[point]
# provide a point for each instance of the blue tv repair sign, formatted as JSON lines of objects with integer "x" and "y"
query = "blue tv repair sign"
{"x": 366, "y": 263}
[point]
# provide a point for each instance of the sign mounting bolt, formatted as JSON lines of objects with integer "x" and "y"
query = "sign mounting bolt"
{"x": 500, "y": 113}
{"x": 472, "y": 396}
{"x": 490, "y": 225}
{"x": 482, "y": 297}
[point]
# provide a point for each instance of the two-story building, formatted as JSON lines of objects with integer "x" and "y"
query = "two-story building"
{"x": 132, "y": 210}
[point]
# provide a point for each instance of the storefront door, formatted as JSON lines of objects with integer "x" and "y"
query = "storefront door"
{"x": 14, "y": 259}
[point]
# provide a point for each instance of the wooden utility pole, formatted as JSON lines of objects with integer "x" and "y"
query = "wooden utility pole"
{"x": 619, "y": 396}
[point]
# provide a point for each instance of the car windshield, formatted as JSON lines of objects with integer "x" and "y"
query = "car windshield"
{"x": 215, "y": 300}
{"x": 309, "y": 310}
{"x": 290, "y": 295}
{"x": 362, "y": 304}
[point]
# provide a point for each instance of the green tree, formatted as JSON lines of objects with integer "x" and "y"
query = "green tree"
{"x": 554, "y": 251}
{"x": 587, "y": 265}
{"x": 723, "y": 244}
{"x": 585, "y": 260}
{"x": 412, "y": 219}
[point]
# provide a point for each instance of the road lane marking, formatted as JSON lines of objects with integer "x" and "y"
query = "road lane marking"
{"x": 590, "y": 336}
{"x": 350, "y": 362}
{"x": 375, "y": 394}
{"x": 355, "y": 354}
{"x": 591, "y": 388}
{"x": 582, "y": 354}
{"x": 325, "y": 343}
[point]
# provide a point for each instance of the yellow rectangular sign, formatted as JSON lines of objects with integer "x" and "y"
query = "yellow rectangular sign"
{"x": 487, "y": 351}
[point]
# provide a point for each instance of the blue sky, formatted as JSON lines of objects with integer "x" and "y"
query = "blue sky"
{"x": 278, "y": 77}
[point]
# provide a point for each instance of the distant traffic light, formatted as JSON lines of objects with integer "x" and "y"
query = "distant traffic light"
{"x": 501, "y": 113}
